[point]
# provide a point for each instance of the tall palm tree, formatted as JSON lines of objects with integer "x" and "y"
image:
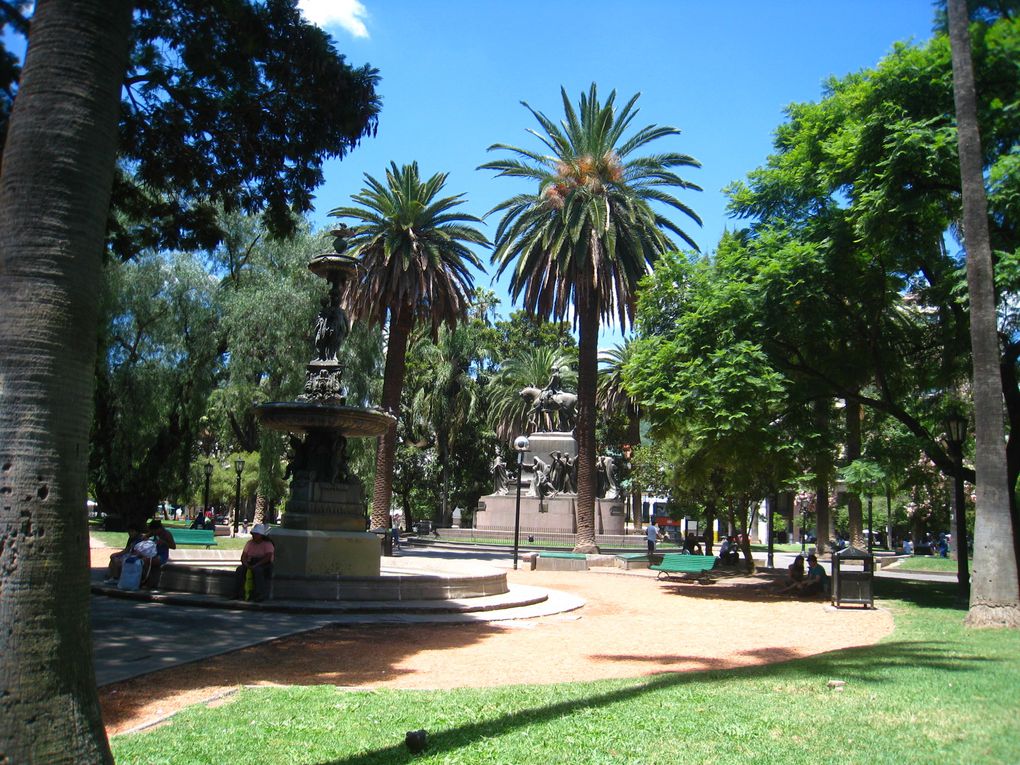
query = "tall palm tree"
{"x": 507, "y": 411}
{"x": 613, "y": 395}
{"x": 586, "y": 236}
{"x": 995, "y": 594}
{"x": 417, "y": 267}
{"x": 58, "y": 168}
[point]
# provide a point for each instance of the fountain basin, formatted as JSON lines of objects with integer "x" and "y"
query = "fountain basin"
{"x": 308, "y": 416}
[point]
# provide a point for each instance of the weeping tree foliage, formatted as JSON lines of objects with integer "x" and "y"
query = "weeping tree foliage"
{"x": 160, "y": 359}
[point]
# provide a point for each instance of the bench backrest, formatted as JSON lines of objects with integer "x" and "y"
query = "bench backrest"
{"x": 194, "y": 536}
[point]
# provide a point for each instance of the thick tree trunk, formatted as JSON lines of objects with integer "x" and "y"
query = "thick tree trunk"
{"x": 853, "y": 452}
{"x": 393, "y": 384}
{"x": 587, "y": 382}
{"x": 995, "y": 594}
{"x": 54, "y": 197}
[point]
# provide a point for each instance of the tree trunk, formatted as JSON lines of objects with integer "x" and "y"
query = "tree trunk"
{"x": 853, "y": 453}
{"x": 823, "y": 465}
{"x": 587, "y": 382}
{"x": 260, "y": 508}
{"x": 443, "y": 447}
{"x": 995, "y": 594}
{"x": 54, "y": 198}
{"x": 393, "y": 384}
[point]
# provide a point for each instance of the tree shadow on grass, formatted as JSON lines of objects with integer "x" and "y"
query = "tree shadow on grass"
{"x": 860, "y": 665}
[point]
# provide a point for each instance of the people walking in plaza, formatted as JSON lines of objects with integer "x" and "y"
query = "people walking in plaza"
{"x": 651, "y": 534}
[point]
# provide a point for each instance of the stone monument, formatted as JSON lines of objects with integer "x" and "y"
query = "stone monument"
{"x": 548, "y": 480}
{"x": 324, "y": 526}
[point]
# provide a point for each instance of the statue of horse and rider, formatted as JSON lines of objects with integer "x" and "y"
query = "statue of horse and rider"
{"x": 552, "y": 409}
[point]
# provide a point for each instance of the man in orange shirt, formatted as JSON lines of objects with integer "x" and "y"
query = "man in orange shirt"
{"x": 256, "y": 557}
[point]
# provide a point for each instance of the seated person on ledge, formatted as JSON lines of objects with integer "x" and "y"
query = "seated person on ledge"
{"x": 795, "y": 576}
{"x": 816, "y": 582}
{"x": 256, "y": 558}
{"x": 117, "y": 559}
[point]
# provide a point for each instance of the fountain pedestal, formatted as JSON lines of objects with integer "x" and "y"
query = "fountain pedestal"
{"x": 323, "y": 531}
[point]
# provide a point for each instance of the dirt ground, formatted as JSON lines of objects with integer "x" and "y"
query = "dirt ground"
{"x": 631, "y": 626}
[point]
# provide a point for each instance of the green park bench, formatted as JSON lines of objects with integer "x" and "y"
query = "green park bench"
{"x": 205, "y": 537}
{"x": 680, "y": 567}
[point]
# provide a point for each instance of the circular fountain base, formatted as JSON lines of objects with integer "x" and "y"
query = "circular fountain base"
{"x": 399, "y": 580}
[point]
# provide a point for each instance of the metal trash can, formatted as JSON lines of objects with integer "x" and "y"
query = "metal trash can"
{"x": 853, "y": 584}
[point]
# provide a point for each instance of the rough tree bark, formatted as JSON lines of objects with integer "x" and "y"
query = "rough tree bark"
{"x": 587, "y": 384}
{"x": 995, "y": 593}
{"x": 54, "y": 197}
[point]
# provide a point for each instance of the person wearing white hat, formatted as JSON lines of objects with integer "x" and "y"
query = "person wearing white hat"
{"x": 257, "y": 558}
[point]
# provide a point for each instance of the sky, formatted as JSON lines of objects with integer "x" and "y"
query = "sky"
{"x": 454, "y": 73}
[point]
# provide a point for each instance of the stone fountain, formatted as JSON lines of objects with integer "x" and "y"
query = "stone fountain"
{"x": 324, "y": 528}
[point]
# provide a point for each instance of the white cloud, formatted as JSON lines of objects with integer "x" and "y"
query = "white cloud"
{"x": 348, "y": 14}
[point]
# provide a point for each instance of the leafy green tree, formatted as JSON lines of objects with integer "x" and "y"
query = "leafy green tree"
{"x": 585, "y": 237}
{"x": 413, "y": 246}
{"x": 57, "y": 173}
{"x": 448, "y": 396}
{"x": 160, "y": 360}
{"x": 523, "y": 331}
{"x": 226, "y": 104}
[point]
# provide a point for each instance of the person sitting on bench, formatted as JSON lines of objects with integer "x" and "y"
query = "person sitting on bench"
{"x": 257, "y": 558}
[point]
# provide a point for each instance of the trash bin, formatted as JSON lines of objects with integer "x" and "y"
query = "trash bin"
{"x": 385, "y": 540}
{"x": 853, "y": 583}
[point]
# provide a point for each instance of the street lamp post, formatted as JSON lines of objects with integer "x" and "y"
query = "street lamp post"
{"x": 770, "y": 508}
{"x": 871, "y": 526}
{"x": 208, "y": 474}
{"x": 521, "y": 445}
{"x": 803, "y": 523}
{"x": 956, "y": 433}
{"x": 238, "y": 468}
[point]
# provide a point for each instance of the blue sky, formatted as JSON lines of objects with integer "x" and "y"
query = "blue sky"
{"x": 455, "y": 71}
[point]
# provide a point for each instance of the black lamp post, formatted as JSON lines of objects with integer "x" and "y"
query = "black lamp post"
{"x": 956, "y": 433}
{"x": 871, "y": 525}
{"x": 770, "y": 508}
{"x": 521, "y": 445}
{"x": 208, "y": 474}
{"x": 803, "y": 523}
{"x": 238, "y": 467}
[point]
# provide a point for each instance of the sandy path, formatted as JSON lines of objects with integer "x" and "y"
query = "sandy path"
{"x": 631, "y": 626}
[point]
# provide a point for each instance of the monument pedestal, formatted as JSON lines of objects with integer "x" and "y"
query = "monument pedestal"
{"x": 556, "y": 514}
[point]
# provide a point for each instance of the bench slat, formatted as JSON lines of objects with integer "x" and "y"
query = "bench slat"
{"x": 205, "y": 537}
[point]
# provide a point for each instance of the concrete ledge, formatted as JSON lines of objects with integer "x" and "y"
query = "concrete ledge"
{"x": 561, "y": 563}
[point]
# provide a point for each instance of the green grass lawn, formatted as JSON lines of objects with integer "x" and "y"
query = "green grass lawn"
{"x": 932, "y": 692}
{"x": 927, "y": 563}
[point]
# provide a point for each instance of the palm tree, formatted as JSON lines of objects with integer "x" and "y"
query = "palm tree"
{"x": 507, "y": 411}
{"x": 586, "y": 236}
{"x": 450, "y": 398}
{"x": 613, "y": 395}
{"x": 416, "y": 268}
{"x": 58, "y": 168}
{"x": 995, "y": 596}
